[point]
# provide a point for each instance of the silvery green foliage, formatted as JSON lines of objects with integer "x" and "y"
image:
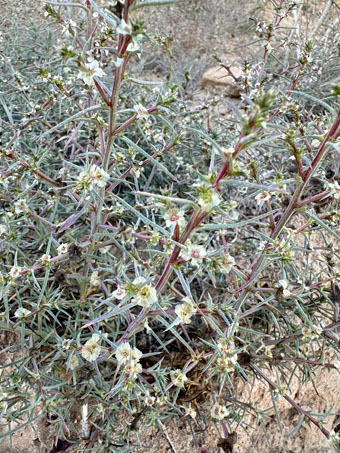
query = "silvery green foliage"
{"x": 145, "y": 256}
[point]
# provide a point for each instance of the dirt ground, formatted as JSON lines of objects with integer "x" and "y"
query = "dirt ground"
{"x": 193, "y": 34}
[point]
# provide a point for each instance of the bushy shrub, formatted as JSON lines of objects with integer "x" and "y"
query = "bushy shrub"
{"x": 147, "y": 259}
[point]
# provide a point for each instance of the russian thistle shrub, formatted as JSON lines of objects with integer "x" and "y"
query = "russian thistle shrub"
{"x": 148, "y": 259}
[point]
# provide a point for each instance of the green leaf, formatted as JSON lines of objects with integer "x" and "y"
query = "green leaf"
{"x": 71, "y": 118}
{"x": 323, "y": 224}
{"x": 318, "y": 101}
{"x": 142, "y": 4}
{"x": 150, "y": 158}
{"x": 110, "y": 19}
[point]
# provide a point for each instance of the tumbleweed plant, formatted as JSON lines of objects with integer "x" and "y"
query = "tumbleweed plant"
{"x": 151, "y": 258}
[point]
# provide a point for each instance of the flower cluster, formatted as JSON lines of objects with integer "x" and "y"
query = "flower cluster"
{"x": 90, "y": 70}
{"x": 145, "y": 294}
{"x": 219, "y": 412}
{"x": 185, "y": 310}
{"x": 311, "y": 333}
{"x": 208, "y": 198}
{"x": 173, "y": 217}
{"x": 178, "y": 378}
{"x": 195, "y": 254}
{"x": 93, "y": 178}
{"x": 92, "y": 348}
{"x": 129, "y": 358}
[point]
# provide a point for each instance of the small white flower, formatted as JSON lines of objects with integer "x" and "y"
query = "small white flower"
{"x": 95, "y": 279}
{"x": 208, "y": 199}
{"x": 90, "y": 70}
{"x": 132, "y": 369}
{"x": 2, "y": 229}
{"x": 119, "y": 293}
{"x": 194, "y": 253}
{"x": 284, "y": 285}
{"x": 136, "y": 355}
{"x": 22, "y": 313}
{"x": 337, "y": 365}
{"x": 21, "y": 206}
{"x": 149, "y": 400}
{"x": 226, "y": 263}
{"x": 124, "y": 28}
{"x": 219, "y": 412}
{"x": 63, "y": 248}
{"x": 133, "y": 46}
{"x": 335, "y": 189}
{"x": 178, "y": 378}
{"x": 15, "y": 271}
{"x": 91, "y": 349}
{"x": 142, "y": 112}
{"x": 84, "y": 180}
{"x": 263, "y": 196}
{"x": 123, "y": 352}
{"x": 334, "y": 438}
{"x": 45, "y": 259}
{"x": 99, "y": 176}
{"x": 311, "y": 333}
{"x": 226, "y": 364}
{"x": 146, "y": 294}
{"x": 190, "y": 412}
{"x": 73, "y": 363}
{"x": 185, "y": 310}
{"x": 173, "y": 217}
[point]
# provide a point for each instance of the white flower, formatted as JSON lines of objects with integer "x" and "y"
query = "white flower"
{"x": 123, "y": 352}
{"x": 99, "y": 176}
{"x": 119, "y": 293}
{"x": 311, "y": 333}
{"x": 63, "y": 248}
{"x": 335, "y": 189}
{"x": 15, "y": 271}
{"x": 133, "y": 46}
{"x": 231, "y": 209}
{"x": 194, "y": 253}
{"x": 73, "y": 363}
{"x": 226, "y": 263}
{"x": 208, "y": 199}
{"x": 146, "y": 294}
{"x": 91, "y": 349}
{"x": 124, "y": 28}
{"x": 262, "y": 196}
{"x": 284, "y": 285}
{"x": 45, "y": 259}
{"x": 2, "y": 229}
{"x": 226, "y": 364}
{"x": 22, "y": 313}
{"x": 337, "y": 365}
{"x": 190, "y": 412}
{"x": 334, "y": 438}
{"x": 149, "y": 400}
{"x": 185, "y": 310}
{"x": 21, "y": 206}
{"x": 136, "y": 355}
{"x": 90, "y": 70}
{"x": 133, "y": 368}
{"x": 95, "y": 279}
{"x": 142, "y": 112}
{"x": 173, "y": 217}
{"x": 84, "y": 180}
{"x": 178, "y": 378}
{"x": 219, "y": 412}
